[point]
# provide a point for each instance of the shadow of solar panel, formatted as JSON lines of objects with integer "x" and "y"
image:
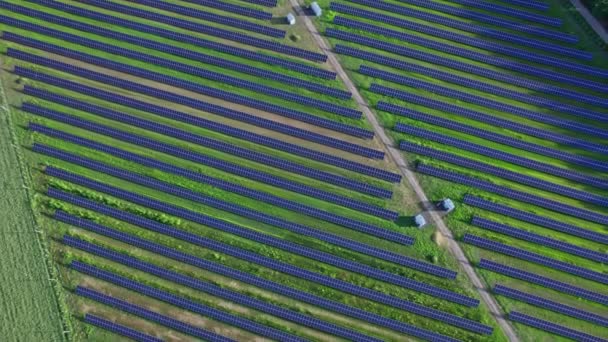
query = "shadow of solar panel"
{"x": 535, "y": 219}
{"x": 543, "y": 281}
{"x": 149, "y": 315}
{"x": 218, "y": 292}
{"x": 245, "y": 11}
{"x": 238, "y": 275}
{"x": 119, "y": 329}
{"x": 552, "y": 327}
{"x": 512, "y": 12}
{"x": 550, "y": 305}
{"x": 535, "y": 258}
{"x": 175, "y": 36}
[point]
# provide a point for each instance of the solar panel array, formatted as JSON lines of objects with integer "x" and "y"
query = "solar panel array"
{"x": 166, "y": 48}
{"x": 119, "y": 329}
{"x": 175, "y": 36}
{"x": 500, "y": 62}
{"x": 550, "y": 305}
{"x": 213, "y": 17}
{"x": 267, "y": 3}
{"x": 459, "y": 38}
{"x": 218, "y": 127}
{"x": 195, "y": 87}
{"x": 232, "y": 273}
{"x": 184, "y": 303}
{"x": 535, "y": 4}
{"x": 491, "y": 136}
{"x": 539, "y": 239}
{"x": 535, "y": 219}
{"x": 176, "y": 22}
{"x": 543, "y": 281}
{"x": 193, "y": 175}
{"x": 217, "y": 291}
{"x": 246, "y": 11}
{"x": 149, "y": 315}
{"x": 552, "y": 327}
{"x": 503, "y": 173}
{"x": 516, "y": 13}
{"x": 535, "y": 258}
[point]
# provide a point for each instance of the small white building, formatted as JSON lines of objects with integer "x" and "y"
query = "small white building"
{"x": 291, "y": 19}
{"x": 316, "y": 9}
{"x": 447, "y": 205}
{"x": 419, "y": 220}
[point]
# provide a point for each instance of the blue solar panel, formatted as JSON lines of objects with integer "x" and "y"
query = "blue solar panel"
{"x": 543, "y": 281}
{"x": 234, "y": 274}
{"x": 184, "y": 24}
{"x": 246, "y": 11}
{"x": 175, "y": 36}
{"x": 267, "y": 3}
{"x": 498, "y": 47}
{"x": 508, "y": 11}
{"x": 214, "y": 17}
{"x": 535, "y": 219}
{"x": 504, "y": 173}
{"x": 503, "y": 63}
{"x": 166, "y": 48}
{"x": 186, "y": 304}
{"x": 485, "y": 18}
{"x": 217, "y": 291}
{"x": 553, "y": 328}
{"x": 491, "y": 136}
{"x": 535, "y": 4}
{"x": 195, "y": 87}
{"x": 224, "y": 185}
{"x": 539, "y": 239}
{"x": 550, "y": 305}
{"x": 535, "y": 258}
{"x": 150, "y": 315}
{"x": 119, "y": 329}
{"x": 542, "y": 202}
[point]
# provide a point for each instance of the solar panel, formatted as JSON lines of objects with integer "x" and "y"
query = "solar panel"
{"x": 535, "y": 4}
{"x": 195, "y": 87}
{"x": 267, "y": 3}
{"x": 550, "y": 305}
{"x": 552, "y": 327}
{"x": 246, "y": 11}
{"x": 508, "y": 11}
{"x": 539, "y": 239}
{"x": 543, "y": 281}
{"x": 224, "y": 185}
{"x": 535, "y": 219}
{"x": 186, "y": 304}
{"x": 466, "y": 40}
{"x": 218, "y": 291}
{"x": 535, "y": 258}
{"x": 149, "y": 315}
{"x": 504, "y": 173}
{"x": 235, "y": 274}
{"x": 119, "y": 329}
{"x": 175, "y": 36}
{"x": 176, "y": 22}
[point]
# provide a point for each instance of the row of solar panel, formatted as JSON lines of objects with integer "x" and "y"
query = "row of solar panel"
{"x": 176, "y": 22}
{"x": 553, "y": 328}
{"x": 160, "y": 32}
{"x": 195, "y": 176}
{"x": 259, "y": 157}
{"x": 494, "y": 120}
{"x": 213, "y": 17}
{"x": 500, "y": 172}
{"x": 182, "y": 67}
{"x": 150, "y": 315}
{"x": 535, "y": 4}
{"x": 501, "y": 139}
{"x": 231, "y": 131}
{"x": 503, "y": 63}
{"x": 485, "y": 18}
{"x": 184, "y": 303}
{"x": 535, "y": 258}
{"x": 267, "y": 3}
{"x": 233, "y": 168}
{"x": 524, "y": 197}
{"x": 539, "y": 239}
{"x": 246, "y": 11}
{"x": 550, "y": 305}
{"x": 187, "y": 85}
{"x": 119, "y": 329}
{"x": 535, "y": 219}
{"x": 463, "y": 39}
{"x": 285, "y": 267}
{"x": 466, "y": 68}
{"x": 232, "y": 273}
{"x": 216, "y": 291}
{"x": 508, "y": 11}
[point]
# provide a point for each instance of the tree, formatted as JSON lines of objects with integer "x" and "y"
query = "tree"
{"x": 600, "y": 9}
